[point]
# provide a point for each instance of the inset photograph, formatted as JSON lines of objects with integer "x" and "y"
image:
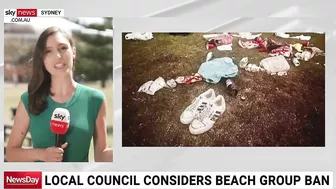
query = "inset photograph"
{"x": 58, "y": 90}
{"x": 223, "y": 89}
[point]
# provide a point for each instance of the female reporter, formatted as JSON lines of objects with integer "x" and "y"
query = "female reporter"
{"x": 52, "y": 86}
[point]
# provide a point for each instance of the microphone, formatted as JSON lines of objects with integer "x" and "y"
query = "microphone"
{"x": 59, "y": 124}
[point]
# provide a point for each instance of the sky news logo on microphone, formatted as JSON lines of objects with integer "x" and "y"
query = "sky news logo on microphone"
{"x": 60, "y": 121}
{"x": 23, "y": 15}
{"x": 22, "y": 180}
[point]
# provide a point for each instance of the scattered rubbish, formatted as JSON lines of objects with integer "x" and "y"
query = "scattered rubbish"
{"x": 145, "y": 87}
{"x": 150, "y": 87}
{"x": 309, "y": 53}
{"x": 212, "y": 71}
{"x": 298, "y": 55}
{"x": 264, "y": 45}
{"x": 139, "y": 36}
{"x": 232, "y": 88}
{"x": 305, "y": 55}
{"x": 243, "y": 62}
{"x": 254, "y": 68}
{"x": 286, "y": 36}
{"x": 296, "y": 62}
{"x": 171, "y": 83}
{"x": 267, "y": 44}
{"x": 248, "y": 44}
{"x": 282, "y": 50}
{"x": 246, "y": 35}
{"x": 297, "y": 46}
{"x": 223, "y": 42}
{"x": 209, "y": 56}
{"x": 302, "y": 37}
{"x": 282, "y": 73}
{"x": 275, "y": 64}
{"x": 316, "y": 51}
{"x": 224, "y": 48}
{"x": 201, "y": 115}
{"x": 189, "y": 79}
{"x": 211, "y": 36}
{"x": 210, "y": 46}
{"x": 282, "y": 35}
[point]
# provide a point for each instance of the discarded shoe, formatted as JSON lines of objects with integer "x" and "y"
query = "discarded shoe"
{"x": 207, "y": 118}
{"x": 197, "y": 106}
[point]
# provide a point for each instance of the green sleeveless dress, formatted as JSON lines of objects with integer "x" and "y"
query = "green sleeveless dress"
{"x": 83, "y": 107}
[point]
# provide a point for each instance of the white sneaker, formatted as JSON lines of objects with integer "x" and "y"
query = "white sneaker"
{"x": 208, "y": 117}
{"x": 197, "y": 106}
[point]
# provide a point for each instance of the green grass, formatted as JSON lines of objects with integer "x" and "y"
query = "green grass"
{"x": 277, "y": 111}
{"x": 13, "y": 93}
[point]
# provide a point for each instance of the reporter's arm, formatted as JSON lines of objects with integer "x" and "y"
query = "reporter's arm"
{"x": 101, "y": 151}
{"x": 14, "y": 150}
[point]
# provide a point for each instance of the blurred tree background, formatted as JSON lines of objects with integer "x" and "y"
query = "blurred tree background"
{"x": 94, "y": 60}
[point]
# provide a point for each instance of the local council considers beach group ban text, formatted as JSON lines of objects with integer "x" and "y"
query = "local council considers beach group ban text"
{"x": 182, "y": 180}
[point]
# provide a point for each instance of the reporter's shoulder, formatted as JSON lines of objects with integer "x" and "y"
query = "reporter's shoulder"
{"x": 25, "y": 97}
{"x": 93, "y": 93}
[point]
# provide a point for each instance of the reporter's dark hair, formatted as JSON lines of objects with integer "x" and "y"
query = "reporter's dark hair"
{"x": 40, "y": 82}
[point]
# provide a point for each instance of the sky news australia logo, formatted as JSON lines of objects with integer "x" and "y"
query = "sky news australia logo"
{"x": 23, "y": 180}
{"x": 21, "y": 12}
{"x": 20, "y": 15}
{"x": 26, "y": 15}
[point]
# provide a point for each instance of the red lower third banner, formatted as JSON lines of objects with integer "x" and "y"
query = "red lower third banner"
{"x": 23, "y": 180}
{"x": 168, "y": 180}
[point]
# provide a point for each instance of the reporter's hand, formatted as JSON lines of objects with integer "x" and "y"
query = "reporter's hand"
{"x": 54, "y": 154}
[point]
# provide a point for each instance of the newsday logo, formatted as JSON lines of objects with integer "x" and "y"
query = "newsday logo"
{"x": 23, "y": 180}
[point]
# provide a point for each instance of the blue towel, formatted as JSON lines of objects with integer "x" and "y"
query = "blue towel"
{"x": 212, "y": 71}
